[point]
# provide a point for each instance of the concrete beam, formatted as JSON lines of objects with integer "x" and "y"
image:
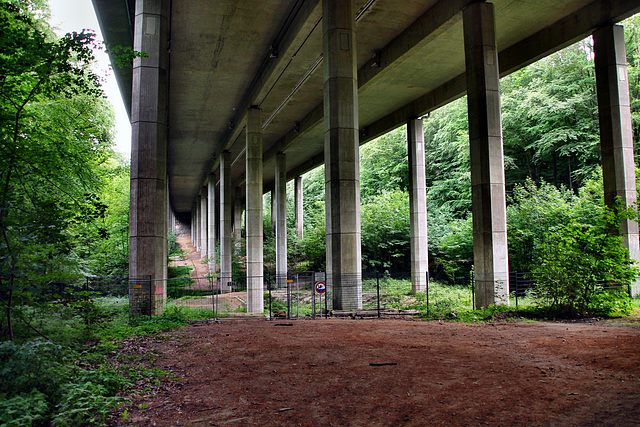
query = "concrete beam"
{"x": 543, "y": 43}
{"x": 432, "y": 23}
{"x": 305, "y": 17}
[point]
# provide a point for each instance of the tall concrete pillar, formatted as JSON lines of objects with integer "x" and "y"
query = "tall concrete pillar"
{"x": 211, "y": 223}
{"x": 487, "y": 160}
{"x": 198, "y": 232}
{"x": 225, "y": 220}
{"x": 616, "y": 133}
{"x": 418, "y": 206}
{"x": 193, "y": 220}
{"x": 255, "y": 296}
{"x": 299, "y": 195}
{"x": 281, "y": 219}
{"x": 341, "y": 153}
{"x": 204, "y": 217}
{"x": 237, "y": 218}
{"x": 148, "y": 220}
{"x": 272, "y": 197}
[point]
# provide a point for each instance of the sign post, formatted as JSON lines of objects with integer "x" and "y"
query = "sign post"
{"x": 320, "y": 289}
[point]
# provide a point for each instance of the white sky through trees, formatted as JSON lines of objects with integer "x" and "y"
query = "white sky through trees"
{"x": 75, "y": 15}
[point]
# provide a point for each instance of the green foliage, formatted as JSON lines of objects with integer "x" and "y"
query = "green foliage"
{"x": 55, "y": 132}
{"x": 386, "y": 232}
{"x": 24, "y": 410}
{"x": 535, "y": 211}
{"x": 384, "y": 165}
{"x": 550, "y": 119}
{"x": 579, "y": 262}
{"x": 274, "y": 303}
{"x": 85, "y": 404}
{"x": 34, "y": 365}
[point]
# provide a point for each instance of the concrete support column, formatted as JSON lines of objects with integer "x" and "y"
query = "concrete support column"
{"x": 341, "y": 153}
{"x": 255, "y": 296}
{"x": 237, "y": 218}
{"x": 418, "y": 206}
{"x": 225, "y": 220}
{"x": 148, "y": 219}
{"x": 487, "y": 160}
{"x": 616, "y": 133}
{"x": 198, "y": 224}
{"x": 211, "y": 223}
{"x": 272, "y": 196}
{"x": 281, "y": 219}
{"x": 299, "y": 195}
{"x": 204, "y": 217}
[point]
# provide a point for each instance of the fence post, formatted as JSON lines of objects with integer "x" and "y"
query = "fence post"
{"x": 516, "y": 283}
{"x": 378, "y": 291}
{"x": 297, "y": 297}
{"x": 270, "y": 296}
{"x": 427, "y": 294}
{"x": 473, "y": 290}
{"x": 150, "y": 297}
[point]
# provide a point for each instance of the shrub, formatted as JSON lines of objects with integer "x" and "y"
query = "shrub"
{"x": 23, "y": 410}
{"x": 577, "y": 261}
{"x": 85, "y": 404}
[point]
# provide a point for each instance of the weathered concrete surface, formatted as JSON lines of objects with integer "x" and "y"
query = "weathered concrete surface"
{"x": 204, "y": 218}
{"x": 489, "y": 207}
{"x": 418, "y": 205}
{"x": 616, "y": 133}
{"x": 299, "y": 207}
{"x": 211, "y": 223}
{"x": 342, "y": 171}
{"x": 148, "y": 217}
{"x": 225, "y": 220}
{"x": 255, "y": 262}
{"x": 281, "y": 218}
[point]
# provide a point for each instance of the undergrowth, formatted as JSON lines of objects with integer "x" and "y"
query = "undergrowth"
{"x": 77, "y": 377}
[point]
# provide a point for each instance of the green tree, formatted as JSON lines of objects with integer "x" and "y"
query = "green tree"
{"x": 54, "y": 132}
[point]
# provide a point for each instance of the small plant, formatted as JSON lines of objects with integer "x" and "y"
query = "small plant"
{"x": 85, "y": 404}
{"x": 24, "y": 409}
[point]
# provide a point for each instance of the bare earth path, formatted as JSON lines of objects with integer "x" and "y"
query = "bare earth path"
{"x": 394, "y": 372}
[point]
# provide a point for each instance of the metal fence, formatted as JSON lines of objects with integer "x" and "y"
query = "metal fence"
{"x": 299, "y": 295}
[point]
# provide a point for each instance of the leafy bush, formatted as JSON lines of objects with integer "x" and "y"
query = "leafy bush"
{"x": 24, "y": 409}
{"x": 34, "y": 365}
{"x": 575, "y": 263}
{"x": 85, "y": 404}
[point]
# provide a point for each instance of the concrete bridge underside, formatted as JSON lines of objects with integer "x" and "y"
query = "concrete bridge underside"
{"x": 237, "y": 97}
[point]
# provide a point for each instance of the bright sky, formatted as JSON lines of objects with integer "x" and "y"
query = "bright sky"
{"x": 75, "y": 15}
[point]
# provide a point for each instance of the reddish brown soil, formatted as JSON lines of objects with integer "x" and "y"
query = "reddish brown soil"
{"x": 393, "y": 372}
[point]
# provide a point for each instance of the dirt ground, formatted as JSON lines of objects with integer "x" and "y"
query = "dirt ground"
{"x": 392, "y": 372}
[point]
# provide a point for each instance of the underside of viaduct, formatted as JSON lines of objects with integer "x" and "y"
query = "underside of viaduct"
{"x": 235, "y": 98}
